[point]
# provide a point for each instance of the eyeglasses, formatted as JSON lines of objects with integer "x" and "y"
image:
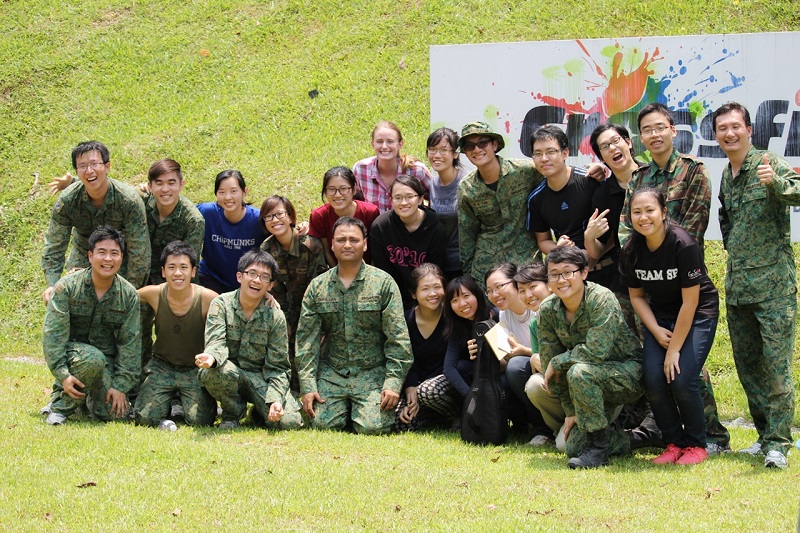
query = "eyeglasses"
{"x": 253, "y": 275}
{"x": 616, "y": 141}
{"x": 657, "y": 130}
{"x": 277, "y": 215}
{"x": 470, "y": 146}
{"x": 569, "y": 274}
{"x": 549, "y": 153}
{"x": 439, "y": 151}
{"x": 331, "y": 191}
{"x": 94, "y": 166}
{"x": 406, "y": 198}
{"x": 496, "y": 289}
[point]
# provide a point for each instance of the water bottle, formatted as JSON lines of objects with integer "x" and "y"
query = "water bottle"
{"x": 168, "y": 425}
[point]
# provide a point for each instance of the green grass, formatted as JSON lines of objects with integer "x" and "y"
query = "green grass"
{"x": 222, "y": 84}
{"x": 252, "y": 479}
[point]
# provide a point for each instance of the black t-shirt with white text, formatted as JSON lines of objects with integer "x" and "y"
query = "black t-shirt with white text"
{"x": 662, "y": 273}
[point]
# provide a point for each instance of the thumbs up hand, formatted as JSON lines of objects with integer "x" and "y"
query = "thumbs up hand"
{"x": 765, "y": 172}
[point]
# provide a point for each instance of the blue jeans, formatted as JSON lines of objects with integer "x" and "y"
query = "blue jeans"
{"x": 678, "y": 406}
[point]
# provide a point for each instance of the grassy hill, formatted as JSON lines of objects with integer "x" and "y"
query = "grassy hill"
{"x": 219, "y": 84}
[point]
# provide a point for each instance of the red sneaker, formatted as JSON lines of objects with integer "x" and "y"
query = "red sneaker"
{"x": 693, "y": 455}
{"x": 670, "y": 455}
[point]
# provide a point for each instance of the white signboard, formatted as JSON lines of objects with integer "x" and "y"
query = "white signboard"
{"x": 518, "y": 87}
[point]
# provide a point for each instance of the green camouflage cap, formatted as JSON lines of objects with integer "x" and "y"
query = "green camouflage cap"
{"x": 480, "y": 128}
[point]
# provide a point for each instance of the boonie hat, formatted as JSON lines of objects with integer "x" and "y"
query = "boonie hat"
{"x": 480, "y": 128}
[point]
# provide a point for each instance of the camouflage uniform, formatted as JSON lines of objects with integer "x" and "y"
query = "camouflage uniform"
{"x": 172, "y": 371}
{"x": 597, "y": 356}
{"x": 491, "y": 224}
{"x": 297, "y": 266}
{"x": 186, "y": 224}
{"x": 685, "y": 184}
{"x": 367, "y": 348}
{"x": 73, "y": 212}
{"x": 98, "y": 342}
{"x": 251, "y": 361}
{"x": 760, "y": 287}
{"x": 687, "y": 188}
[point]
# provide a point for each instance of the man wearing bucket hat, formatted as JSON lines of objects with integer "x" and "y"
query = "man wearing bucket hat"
{"x": 493, "y": 203}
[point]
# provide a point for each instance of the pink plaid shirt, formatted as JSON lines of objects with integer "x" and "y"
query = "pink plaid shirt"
{"x": 375, "y": 192}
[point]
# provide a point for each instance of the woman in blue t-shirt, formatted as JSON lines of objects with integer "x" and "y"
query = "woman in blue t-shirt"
{"x": 232, "y": 228}
{"x": 670, "y": 290}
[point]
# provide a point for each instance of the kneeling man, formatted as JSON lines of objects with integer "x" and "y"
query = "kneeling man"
{"x": 246, "y": 358}
{"x": 356, "y": 376}
{"x": 592, "y": 359}
{"x": 180, "y": 309}
{"x": 92, "y": 334}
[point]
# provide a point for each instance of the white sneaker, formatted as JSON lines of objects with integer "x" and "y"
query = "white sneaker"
{"x": 46, "y": 409}
{"x": 712, "y": 448}
{"x": 541, "y": 440}
{"x": 57, "y": 419}
{"x": 753, "y": 449}
{"x": 775, "y": 459}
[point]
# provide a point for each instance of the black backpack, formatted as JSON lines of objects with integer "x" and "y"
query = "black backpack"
{"x": 484, "y": 418}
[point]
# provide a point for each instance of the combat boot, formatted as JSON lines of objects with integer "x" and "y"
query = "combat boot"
{"x": 594, "y": 454}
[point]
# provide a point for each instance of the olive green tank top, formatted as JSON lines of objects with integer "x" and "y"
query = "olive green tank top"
{"x": 179, "y": 338}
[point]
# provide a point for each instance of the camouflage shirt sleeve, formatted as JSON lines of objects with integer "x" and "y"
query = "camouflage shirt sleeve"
{"x": 397, "y": 346}
{"x": 308, "y": 341}
{"x": 138, "y": 244}
{"x": 128, "y": 363}
{"x": 56, "y": 241}
{"x": 697, "y": 202}
{"x": 56, "y": 332}
{"x": 468, "y": 227}
{"x": 550, "y": 346}
{"x": 216, "y": 331}
{"x": 276, "y": 361}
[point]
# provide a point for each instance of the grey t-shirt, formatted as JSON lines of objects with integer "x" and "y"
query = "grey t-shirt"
{"x": 445, "y": 202}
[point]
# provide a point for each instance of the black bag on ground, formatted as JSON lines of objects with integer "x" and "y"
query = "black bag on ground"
{"x": 484, "y": 418}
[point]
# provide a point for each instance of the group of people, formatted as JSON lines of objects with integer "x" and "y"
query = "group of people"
{"x": 362, "y": 319}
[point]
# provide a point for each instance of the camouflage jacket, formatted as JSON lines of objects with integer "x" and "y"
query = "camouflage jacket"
{"x": 684, "y": 181}
{"x": 297, "y": 266}
{"x": 597, "y": 333}
{"x": 363, "y": 327}
{"x": 185, "y": 223}
{"x": 258, "y": 345}
{"x": 112, "y": 325}
{"x": 756, "y": 230}
{"x": 74, "y": 213}
{"x": 491, "y": 224}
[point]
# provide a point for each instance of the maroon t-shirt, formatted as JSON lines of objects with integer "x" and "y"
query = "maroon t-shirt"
{"x": 322, "y": 219}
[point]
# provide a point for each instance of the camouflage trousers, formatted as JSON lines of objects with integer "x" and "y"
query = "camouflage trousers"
{"x": 597, "y": 390}
{"x": 234, "y": 387}
{"x": 762, "y": 338}
{"x": 164, "y": 381}
{"x": 92, "y": 368}
{"x": 355, "y": 398}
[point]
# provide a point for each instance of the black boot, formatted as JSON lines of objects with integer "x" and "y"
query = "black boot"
{"x": 594, "y": 454}
{"x": 646, "y": 434}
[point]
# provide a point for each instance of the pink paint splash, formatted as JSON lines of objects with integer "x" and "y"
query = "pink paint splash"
{"x": 508, "y": 126}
